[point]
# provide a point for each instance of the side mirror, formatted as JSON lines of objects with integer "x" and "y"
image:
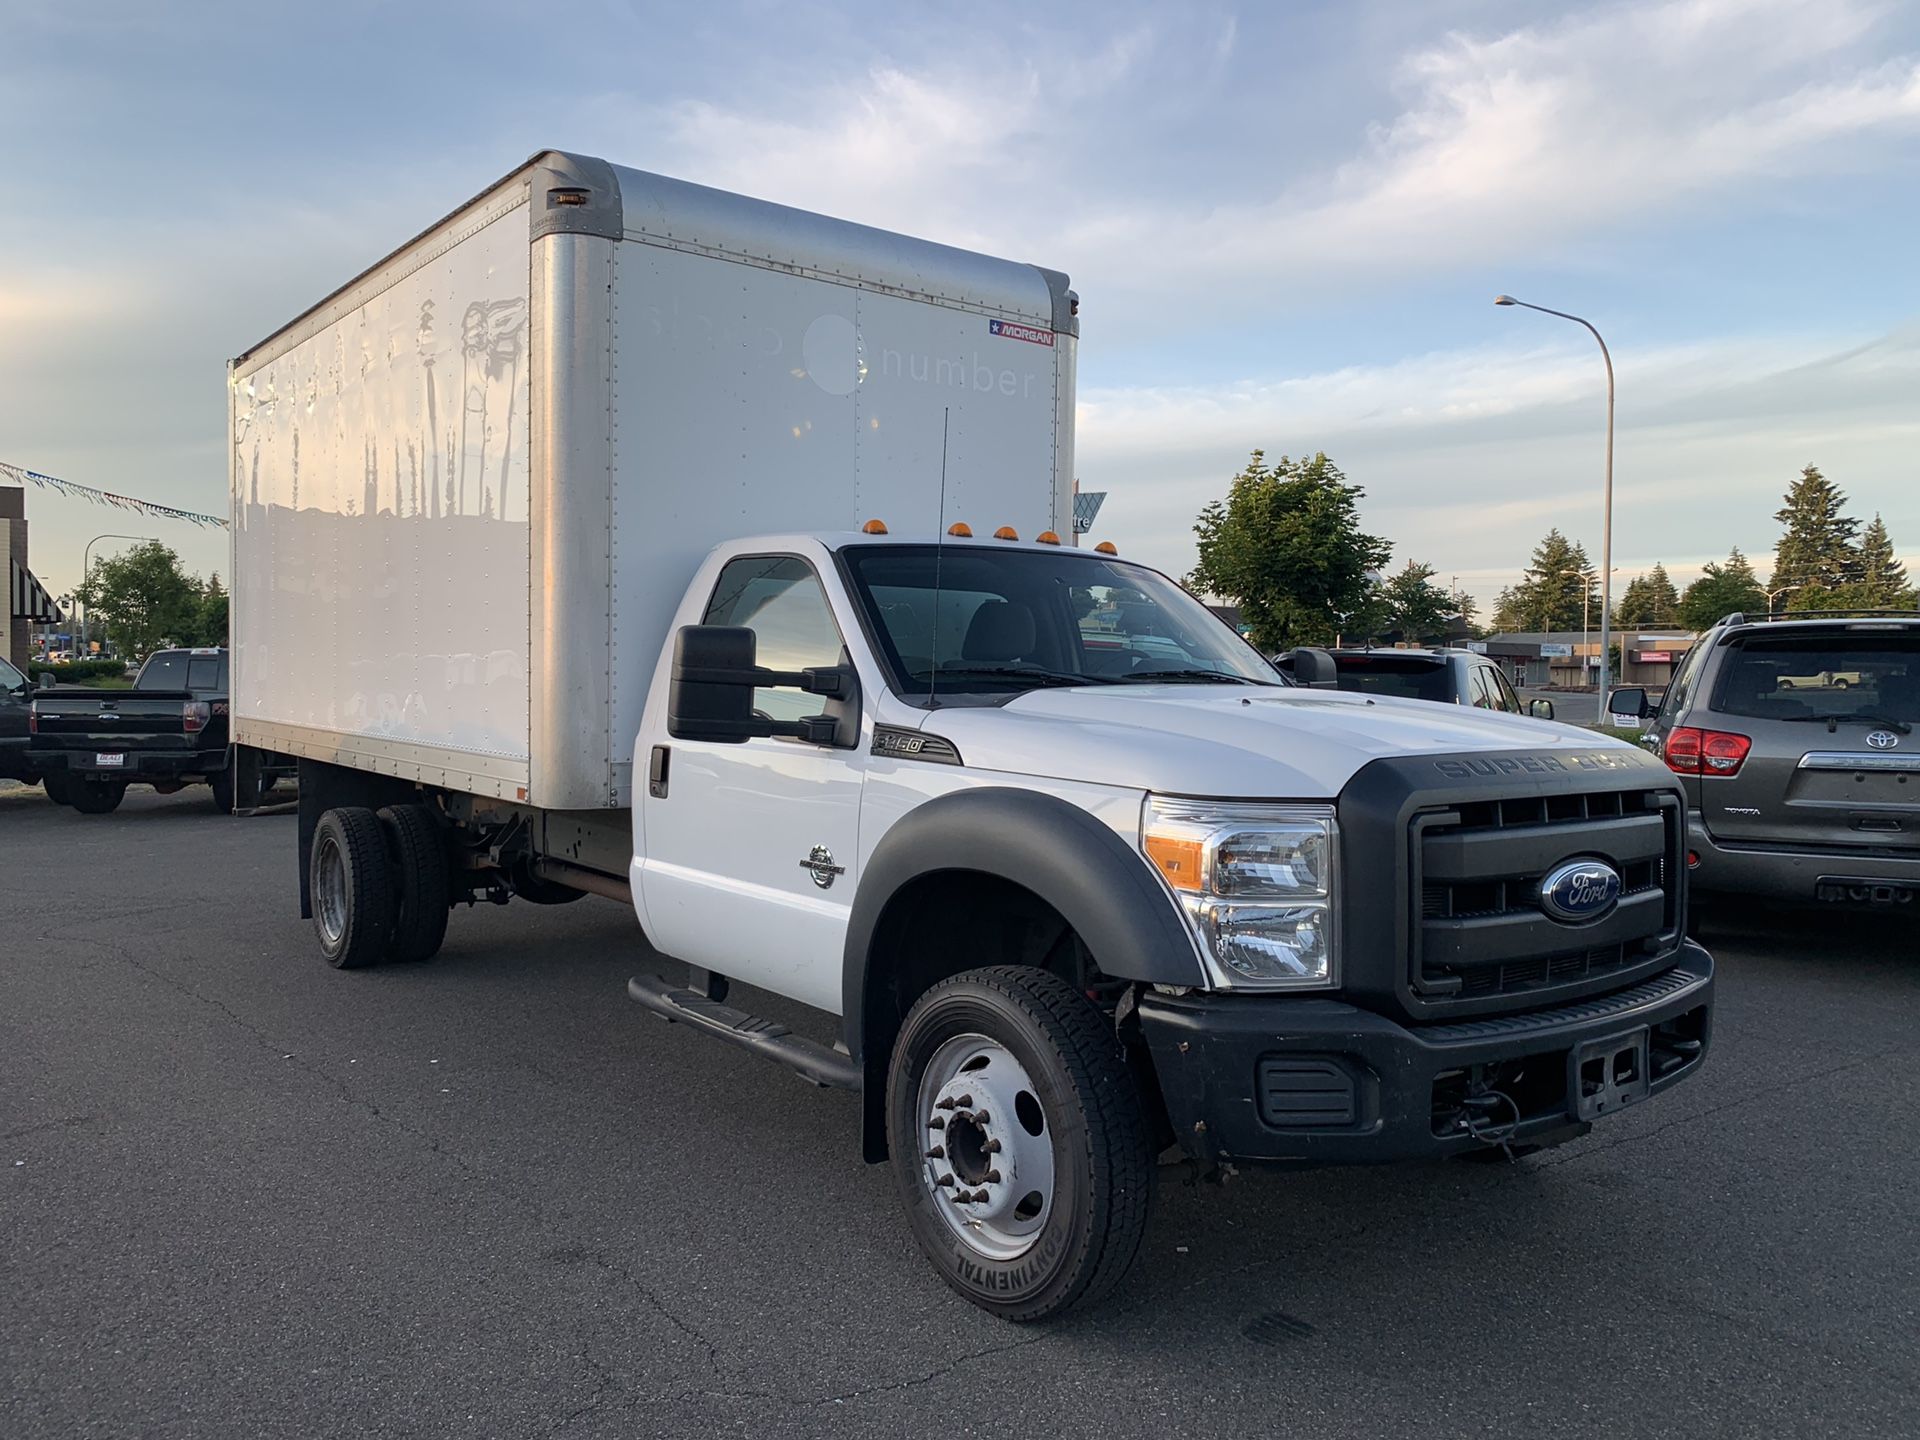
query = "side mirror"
{"x": 1630, "y": 702}
{"x": 710, "y": 693}
{"x": 1540, "y": 709}
{"x": 1310, "y": 666}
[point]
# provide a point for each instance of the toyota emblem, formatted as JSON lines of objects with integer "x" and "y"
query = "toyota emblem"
{"x": 1883, "y": 739}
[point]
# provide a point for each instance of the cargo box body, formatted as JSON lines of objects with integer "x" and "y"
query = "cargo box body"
{"x": 470, "y": 487}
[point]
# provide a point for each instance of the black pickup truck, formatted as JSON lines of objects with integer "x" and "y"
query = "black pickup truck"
{"x": 168, "y": 731}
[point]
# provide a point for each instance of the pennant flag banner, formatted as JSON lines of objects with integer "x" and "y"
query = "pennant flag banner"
{"x": 106, "y": 497}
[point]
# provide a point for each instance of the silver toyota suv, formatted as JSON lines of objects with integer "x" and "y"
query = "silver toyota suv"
{"x": 1796, "y": 743}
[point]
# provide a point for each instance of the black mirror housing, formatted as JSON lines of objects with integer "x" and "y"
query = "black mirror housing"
{"x": 710, "y": 693}
{"x": 1310, "y": 666}
{"x": 1630, "y": 701}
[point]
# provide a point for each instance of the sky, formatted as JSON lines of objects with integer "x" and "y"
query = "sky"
{"x": 1286, "y": 223}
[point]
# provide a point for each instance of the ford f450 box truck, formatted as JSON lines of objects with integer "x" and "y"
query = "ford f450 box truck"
{"x": 626, "y": 537}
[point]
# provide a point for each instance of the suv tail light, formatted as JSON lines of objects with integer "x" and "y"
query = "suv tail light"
{"x": 193, "y": 718}
{"x": 1706, "y": 752}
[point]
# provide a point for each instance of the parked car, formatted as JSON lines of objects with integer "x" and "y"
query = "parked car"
{"x": 16, "y": 756}
{"x": 168, "y": 731}
{"x": 1794, "y": 791}
{"x": 1447, "y": 676}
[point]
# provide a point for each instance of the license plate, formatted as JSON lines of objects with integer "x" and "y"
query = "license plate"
{"x": 112, "y": 761}
{"x": 1608, "y": 1075}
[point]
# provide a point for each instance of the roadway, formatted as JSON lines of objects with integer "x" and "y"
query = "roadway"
{"x": 242, "y": 1194}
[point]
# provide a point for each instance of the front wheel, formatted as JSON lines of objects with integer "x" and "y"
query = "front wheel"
{"x": 1018, "y": 1141}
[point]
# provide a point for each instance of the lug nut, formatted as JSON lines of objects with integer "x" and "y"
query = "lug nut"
{"x": 992, "y": 1147}
{"x": 992, "y": 1177}
{"x": 937, "y": 1122}
{"x": 939, "y": 1152}
{"x": 964, "y": 1101}
{"x": 944, "y": 1180}
{"x": 981, "y": 1117}
{"x": 944, "y": 1104}
{"x": 979, "y": 1196}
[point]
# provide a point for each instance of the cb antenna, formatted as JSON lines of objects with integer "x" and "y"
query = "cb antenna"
{"x": 939, "y": 548}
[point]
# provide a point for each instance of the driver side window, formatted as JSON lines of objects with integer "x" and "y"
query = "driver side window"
{"x": 781, "y": 600}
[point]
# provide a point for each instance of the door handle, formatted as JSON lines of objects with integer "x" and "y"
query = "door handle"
{"x": 657, "y": 772}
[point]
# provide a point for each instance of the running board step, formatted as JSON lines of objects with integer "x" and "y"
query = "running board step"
{"x": 809, "y": 1059}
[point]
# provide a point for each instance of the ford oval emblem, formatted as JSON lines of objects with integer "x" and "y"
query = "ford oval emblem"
{"x": 1579, "y": 891}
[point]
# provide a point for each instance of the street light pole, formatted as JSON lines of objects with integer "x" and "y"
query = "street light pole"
{"x": 86, "y": 569}
{"x": 1781, "y": 591}
{"x": 1606, "y": 524}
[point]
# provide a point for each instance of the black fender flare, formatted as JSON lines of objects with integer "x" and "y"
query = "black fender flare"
{"x": 1101, "y": 886}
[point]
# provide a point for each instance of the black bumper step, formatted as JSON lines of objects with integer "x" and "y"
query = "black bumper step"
{"x": 810, "y": 1060}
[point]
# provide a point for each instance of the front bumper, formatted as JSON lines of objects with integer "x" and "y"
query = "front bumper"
{"x": 140, "y": 764}
{"x": 1303, "y": 1081}
{"x": 1782, "y": 873}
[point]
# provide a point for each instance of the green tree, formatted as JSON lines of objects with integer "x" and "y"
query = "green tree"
{"x": 1722, "y": 590}
{"x": 1414, "y": 605}
{"x": 1286, "y": 546}
{"x": 210, "y": 613}
{"x": 1816, "y": 548}
{"x": 1649, "y": 599}
{"x": 1881, "y": 571}
{"x": 1555, "y": 593}
{"x": 143, "y": 596}
{"x": 1509, "y": 615}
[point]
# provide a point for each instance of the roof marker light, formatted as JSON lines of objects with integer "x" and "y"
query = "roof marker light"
{"x": 874, "y": 527}
{"x": 960, "y": 530}
{"x": 1047, "y": 537}
{"x": 1006, "y": 532}
{"x": 1106, "y": 547}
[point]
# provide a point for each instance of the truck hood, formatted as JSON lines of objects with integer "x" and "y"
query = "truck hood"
{"x": 1233, "y": 740}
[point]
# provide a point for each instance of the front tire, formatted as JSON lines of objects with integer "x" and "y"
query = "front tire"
{"x": 351, "y": 883}
{"x": 1018, "y": 1141}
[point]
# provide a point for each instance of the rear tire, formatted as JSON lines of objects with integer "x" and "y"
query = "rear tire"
{"x": 351, "y": 881}
{"x": 59, "y": 787}
{"x": 221, "y": 783}
{"x": 96, "y": 797}
{"x": 425, "y": 882}
{"x": 1008, "y": 1086}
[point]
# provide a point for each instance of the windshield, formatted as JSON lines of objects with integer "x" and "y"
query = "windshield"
{"x": 1862, "y": 676}
{"x": 1410, "y": 679}
{"x": 967, "y": 620}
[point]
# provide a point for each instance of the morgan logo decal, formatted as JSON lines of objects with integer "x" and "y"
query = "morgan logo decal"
{"x": 1032, "y": 334}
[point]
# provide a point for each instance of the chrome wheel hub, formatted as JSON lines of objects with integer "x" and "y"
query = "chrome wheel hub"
{"x": 330, "y": 890}
{"x": 987, "y": 1148}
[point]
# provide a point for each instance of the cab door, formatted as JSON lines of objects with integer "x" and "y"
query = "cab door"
{"x": 751, "y": 848}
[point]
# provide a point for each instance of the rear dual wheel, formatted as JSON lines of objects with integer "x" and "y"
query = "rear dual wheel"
{"x": 380, "y": 885}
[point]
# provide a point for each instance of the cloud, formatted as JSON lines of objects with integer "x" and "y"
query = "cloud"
{"x": 1469, "y": 456}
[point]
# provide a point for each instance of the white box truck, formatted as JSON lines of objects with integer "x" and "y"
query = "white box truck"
{"x": 625, "y": 537}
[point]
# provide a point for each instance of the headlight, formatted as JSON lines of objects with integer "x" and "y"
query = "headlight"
{"x": 1256, "y": 882}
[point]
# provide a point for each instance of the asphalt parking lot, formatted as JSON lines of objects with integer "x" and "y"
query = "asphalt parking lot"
{"x": 243, "y": 1194}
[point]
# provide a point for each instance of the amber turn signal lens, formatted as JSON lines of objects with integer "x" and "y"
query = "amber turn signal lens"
{"x": 1177, "y": 858}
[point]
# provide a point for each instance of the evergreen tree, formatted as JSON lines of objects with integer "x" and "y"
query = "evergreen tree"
{"x": 1817, "y": 546}
{"x": 1554, "y": 593}
{"x": 1416, "y": 607}
{"x": 1508, "y": 615}
{"x": 1649, "y": 599}
{"x": 1287, "y": 547}
{"x": 1723, "y": 590}
{"x": 1881, "y": 572}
